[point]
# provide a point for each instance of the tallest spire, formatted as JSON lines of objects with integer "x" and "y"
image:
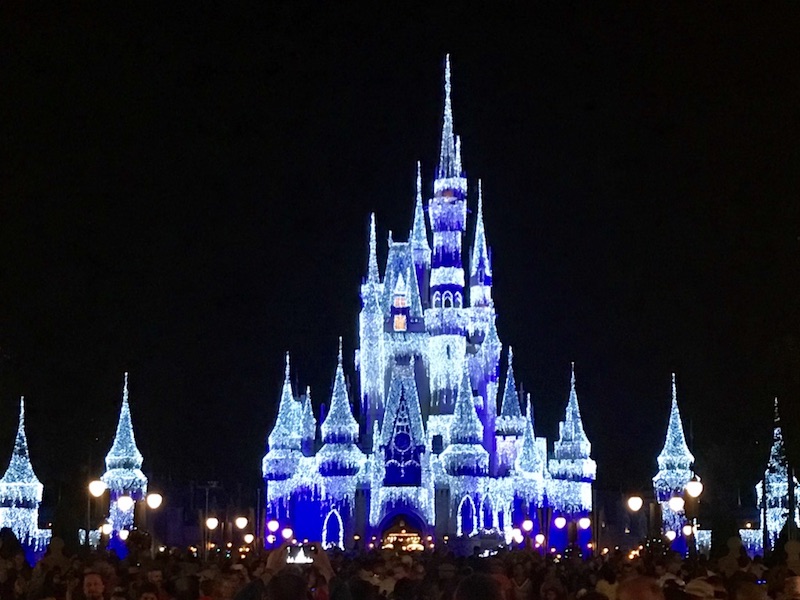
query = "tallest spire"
{"x": 447, "y": 155}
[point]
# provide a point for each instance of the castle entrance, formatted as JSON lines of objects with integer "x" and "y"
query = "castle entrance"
{"x": 403, "y": 532}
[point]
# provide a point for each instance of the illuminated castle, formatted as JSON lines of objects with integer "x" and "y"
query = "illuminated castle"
{"x": 429, "y": 449}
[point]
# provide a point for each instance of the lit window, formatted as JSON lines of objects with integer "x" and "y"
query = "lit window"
{"x": 399, "y": 322}
{"x": 400, "y": 302}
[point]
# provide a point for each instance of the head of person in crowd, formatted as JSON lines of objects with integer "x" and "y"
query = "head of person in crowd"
{"x": 93, "y": 586}
{"x": 148, "y": 591}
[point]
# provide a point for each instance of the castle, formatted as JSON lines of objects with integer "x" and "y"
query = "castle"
{"x": 430, "y": 453}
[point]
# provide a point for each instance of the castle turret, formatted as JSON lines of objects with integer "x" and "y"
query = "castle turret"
{"x": 674, "y": 468}
{"x": 123, "y": 475}
{"x": 371, "y": 356}
{"x": 775, "y": 511}
{"x": 572, "y": 468}
{"x": 480, "y": 278}
{"x": 21, "y": 495}
{"x": 339, "y": 455}
{"x": 447, "y": 320}
{"x": 420, "y": 247}
{"x": 309, "y": 424}
{"x": 285, "y": 440}
{"x": 465, "y": 456}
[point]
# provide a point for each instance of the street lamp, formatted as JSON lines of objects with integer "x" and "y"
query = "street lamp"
{"x": 212, "y": 523}
{"x": 106, "y": 529}
{"x": 671, "y": 535}
{"x": 527, "y": 525}
{"x": 96, "y": 489}
{"x": 560, "y": 522}
{"x": 676, "y": 504}
{"x": 154, "y": 500}
{"x": 273, "y": 526}
{"x": 694, "y": 487}
{"x": 123, "y": 534}
{"x": 635, "y": 503}
{"x": 240, "y": 522}
{"x": 287, "y": 533}
{"x": 248, "y": 538}
{"x": 125, "y": 503}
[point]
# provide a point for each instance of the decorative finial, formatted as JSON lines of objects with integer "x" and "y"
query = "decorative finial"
{"x": 125, "y": 388}
{"x": 447, "y": 157}
{"x": 419, "y": 181}
{"x": 373, "y": 276}
{"x": 340, "y": 351}
{"x": 21, "y": 411}
{"x": 777, "y": 415}
{"x": 458, "y": 170}
{"x": 572, "y": 379}
{"x": 674, "y": 389}
{"x": 287, "y": 366}
{"x": 480, "y": 199}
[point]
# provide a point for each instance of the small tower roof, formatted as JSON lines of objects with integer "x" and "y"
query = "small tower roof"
{"x": 480, "y": 251}
{"x": 124, "y": 453}
{"x": 572, "y": 429}
{"x": 529, "y": 459}
{"x": 339, "y": 425}
{"x": 675, "y": 453}
{"x": 20, "y": 470}
{"x": 309, "y": 421}
{"x": 510, "y": 406}
{"x": 288, "y": 424}
{"x": 466, "y": 427}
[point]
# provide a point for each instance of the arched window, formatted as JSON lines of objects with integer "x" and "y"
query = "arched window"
{"x": 458, "y": 300}
{"x": 447, "y": 299}
{"x": 437, "y": 300}
{"x": 333, "y": 530}
{"x": 466, "y": 517}
{"x": 488, "y": 516}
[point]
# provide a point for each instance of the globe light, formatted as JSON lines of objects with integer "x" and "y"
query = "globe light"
{"x": 105, "y": 529}
{"x": 97, "y": 488}
{"x": 125, "y": 503}
{"x": 287, "y": 533}
{"x": 154, "y": 500}
{"x": 241, "y": 522}
{"x": 584, "y": 522}
{"x": 635, "y": 503}
{"x": 271, "y": 538}
{"x": 248, "y": 538}
{"x": 527, "y": 525}
{"x": 676, "y": 504}
{"x": 273, "y": 526}
{"x": 516, "y": 535}
{"x": 212, "y": 523}
{"x": 123, "y": 534}
{"x": 671, "y": 535}
{"x": 687, "y": 530}
{"x": 694, "y": 488}
{"x": 560, "y": 522}
{"x": 539, "y": 538}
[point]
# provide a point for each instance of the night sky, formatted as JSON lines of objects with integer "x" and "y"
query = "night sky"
{"x": 186, "y": 194}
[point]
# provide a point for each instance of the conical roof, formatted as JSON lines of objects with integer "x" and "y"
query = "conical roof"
{"x": 339, "y": 425}
{"x": 19, "y": 480}
{"x": 124, "y": 453}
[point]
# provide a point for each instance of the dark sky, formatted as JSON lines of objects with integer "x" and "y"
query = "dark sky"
{"x": 185, "y": 195}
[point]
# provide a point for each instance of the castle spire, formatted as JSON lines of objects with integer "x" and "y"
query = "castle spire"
{"x": 510, "y": 406}
{"x": 124, "y": 453}
{"x": 675, "y": 454}
{"x": 530, "y": 459}
{"x": 339, "y": 425}
{"x": 466, "y": 427}
{"x": 288, "y": 424}
{"x": 419, "y": 231}
{"x": 373, "y": 275}
{"x": 447, "y": 155}
{"x": 480, "y": 252}
{"x": 20, "y": 470}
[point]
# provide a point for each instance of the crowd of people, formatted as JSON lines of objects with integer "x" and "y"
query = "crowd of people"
{"x": 510, "y": 574}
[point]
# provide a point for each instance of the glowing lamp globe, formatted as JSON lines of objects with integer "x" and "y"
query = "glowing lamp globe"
{"x": 154, "y": 500}
{"x": 125, "y": 503}
{"x": 106, "y": 529}
{"x": 527, "y": 525}
{"x": 273, "y": 526}
{"x": 584, "y": 522}
{"x": 671, "y": 535}
{"x": 241, "y": 522}
{"x": 248, "y": 538}
{"x": 635, "y": 503}
{"x": 123, "y": 534}
{"x": 212, "y": 523}
{"x": 676, "y": 504}
{"x": 97, "y": 488}
{"x": 287, "y": 533}
{"x": 687, "y": 530}
{"x": 560, "y": 522}
{"x": 539, "y": 538}
{"x": 271, "y": 538}
{"x": 694, "y": 488}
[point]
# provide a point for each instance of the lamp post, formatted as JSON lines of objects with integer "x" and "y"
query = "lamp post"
{"x": 211, "y": 524}
{"x": 693, "y": 489}
{"x": 96, "y": 489}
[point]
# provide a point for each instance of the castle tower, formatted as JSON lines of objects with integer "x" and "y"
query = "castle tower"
{"x": 466, "y": 461}
{"x": 776, "y": 485}
{"x": 420, "y": 247}
{"x": 371, "y": 357}
{"x": 674, "y": 468}
{"x": 510, "y": 424}
{"x": 446, "y": 320}
{"x": 340, "y": 461}
{"x": 123, "y": 475}
{"x": 21, "y": 495}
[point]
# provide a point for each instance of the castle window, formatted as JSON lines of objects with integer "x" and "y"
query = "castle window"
{"x": 437, "y": 444}
{"x": 400, "y": 302}
{"x": 399, "y": 322}
{"x": 458, "y": 300}
{"x": 447, "y": 299}
{"x": 437, "y": 300}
